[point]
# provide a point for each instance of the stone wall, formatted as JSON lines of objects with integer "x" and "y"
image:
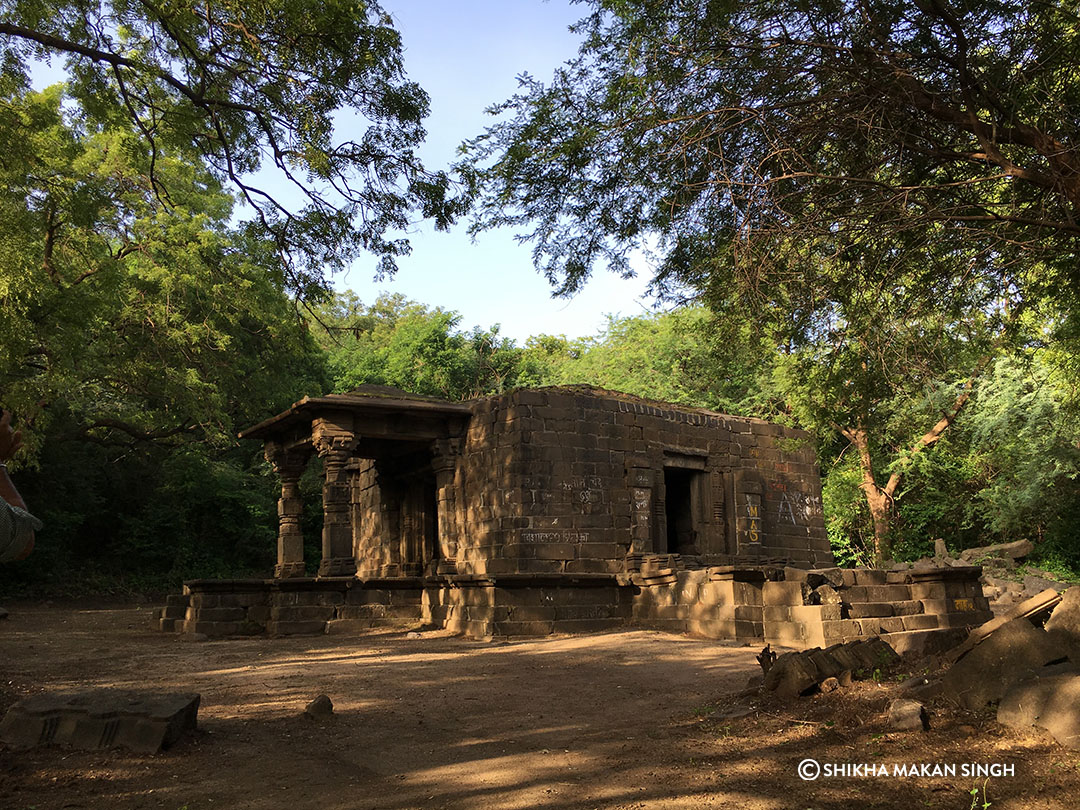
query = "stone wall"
{"x": 573, "y": 480}
{"x": 786, "y": 607}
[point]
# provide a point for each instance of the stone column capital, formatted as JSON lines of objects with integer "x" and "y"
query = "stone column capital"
{"x": 334, "y": 445}
{"x": 444, "y": 454}
{"x": 287, "y": 463}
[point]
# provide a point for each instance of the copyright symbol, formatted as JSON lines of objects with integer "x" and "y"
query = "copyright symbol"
{"x": 809, "y": 770}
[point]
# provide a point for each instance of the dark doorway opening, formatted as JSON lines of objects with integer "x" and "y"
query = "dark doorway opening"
{"x": 681, "y": 506}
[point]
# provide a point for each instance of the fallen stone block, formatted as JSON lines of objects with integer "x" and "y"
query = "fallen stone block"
{"x": 1038, "y": 605}
{"x": 1051, "y": 702}
{"x": 1013, "y": 551}
{"x": 143, "y": 722}
{"x": 1034, "y": 585}
{"x": 908, "y": 715}
{"x": 1009, "y": 655}
{"x": 791, "y": 675}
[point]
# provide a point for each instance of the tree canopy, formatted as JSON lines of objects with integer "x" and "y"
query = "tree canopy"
{"x": 744, "y": 129}
{"x": 140, "y": 322}
{"x": 881, "y": 191}
{"x": 260, "y": 93}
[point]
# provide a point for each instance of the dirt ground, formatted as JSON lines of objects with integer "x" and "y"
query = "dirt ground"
{"x": 621, "y": 720}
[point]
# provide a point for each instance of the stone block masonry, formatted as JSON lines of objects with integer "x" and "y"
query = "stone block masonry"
{"x": 557, "y": 509}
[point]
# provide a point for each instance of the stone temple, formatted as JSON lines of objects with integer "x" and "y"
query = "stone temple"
{"x": 562, "y": 509}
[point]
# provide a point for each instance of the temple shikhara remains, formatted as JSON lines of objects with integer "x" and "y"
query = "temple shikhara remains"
{"x": 561, "y": 509}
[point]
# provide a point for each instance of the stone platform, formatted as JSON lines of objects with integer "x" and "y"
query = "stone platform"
{"x": 788, "y": 607}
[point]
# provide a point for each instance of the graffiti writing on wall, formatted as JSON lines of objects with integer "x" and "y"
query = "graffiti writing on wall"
{"x": 555, "y": 537}
{"x": 798, "y": 508}
{"x": 753, "y": 517}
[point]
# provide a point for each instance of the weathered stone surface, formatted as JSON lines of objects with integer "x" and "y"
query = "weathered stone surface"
{"x": 921, "y": 688}
{"x": 1034, "y": 585}
{"x": 797, "y": 673}
{"x": 826, "y": 595}
{"x": 1066, "y": 616}
{"x": 1051, "y": 702}
{"x": 1007, "y": 656}
{"x": 320, "y": 708}
{"x": 1014, "y": 551}
{"x": 829, "y": 685}
{"x": 791, "y": 675}
{"x": 1038, "y": 605}
{"x": 908, "y": 715}
{"x": 144, "y": 722}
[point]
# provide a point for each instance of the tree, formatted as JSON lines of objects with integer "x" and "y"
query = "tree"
{"x": 254, "y": 91}
{"x": 410, "y": 346}
{"x": 746, "y": 127}
{"x": 142, "y": 324}
{"x": 878, "y": 190}
{"x": 668, "y": 356}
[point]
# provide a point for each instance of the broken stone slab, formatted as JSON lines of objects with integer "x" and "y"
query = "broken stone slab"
{"x": 1008, "y": 656}
{"x": 824, "y": 595}
{"x": 793, "y": 674}
{"x": 1013, "y": 551}
{"x": 908, "y": 715}
{"x": 1034, "y": 585}
{"x": 1032, "y": 608}
{"x": 143, "y": 722}
{"x": 797, "y": 673}
{"x": 1005, "y": 585}
{"x": 1051, "y": 702}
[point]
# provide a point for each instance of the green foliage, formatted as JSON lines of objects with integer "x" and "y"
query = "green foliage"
{"x": 409, "y": 346}
{"x": 671, "y": 357}
{"x": 147, "y": 323}
{"x": 847, "y": 519}
{"x": 136, "y": 339}
{"x": 734, "y": 135}
{"x": 253, "y": 91}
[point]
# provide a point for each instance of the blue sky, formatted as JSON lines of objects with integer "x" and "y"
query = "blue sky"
{"x": 466, "y": 55}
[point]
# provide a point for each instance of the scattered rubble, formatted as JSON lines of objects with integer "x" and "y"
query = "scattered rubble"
{"x": 908, "y": 715}
{"x": 320, "y": 708}
{"x": 799, "y": 673}
{"x": 1002, "y": 551}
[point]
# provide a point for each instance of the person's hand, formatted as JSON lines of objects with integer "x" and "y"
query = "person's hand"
{"x": 10, "y": 440}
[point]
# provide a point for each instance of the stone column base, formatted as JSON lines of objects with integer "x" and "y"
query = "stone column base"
{"x": 287, "y": 570}
{"x": 337, "y": 567}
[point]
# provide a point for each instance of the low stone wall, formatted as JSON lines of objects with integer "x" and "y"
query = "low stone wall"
{"x": 787, "y": 607}
{"x": 830, "y": 606}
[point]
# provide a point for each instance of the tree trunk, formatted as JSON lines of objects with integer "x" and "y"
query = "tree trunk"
{"x": 877, "y": 499}
{"x": 880, "y": 499}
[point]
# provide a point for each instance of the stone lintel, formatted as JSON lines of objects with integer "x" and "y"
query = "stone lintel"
{"x": 959, "y": 573}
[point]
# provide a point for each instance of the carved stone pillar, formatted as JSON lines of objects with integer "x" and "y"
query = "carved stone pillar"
{"x": 335, "y": 448}
{"x": 289, "y": 465}
{"x": 444, "y": 456}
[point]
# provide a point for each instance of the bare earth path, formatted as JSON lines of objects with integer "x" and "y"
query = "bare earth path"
{"x": 430, "y": 722}
{"x": 621, "y": 720}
